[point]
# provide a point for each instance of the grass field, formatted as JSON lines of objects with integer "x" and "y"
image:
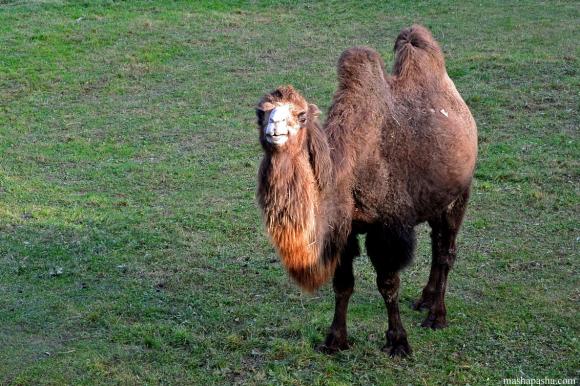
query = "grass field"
{"x": 131, "y": 247}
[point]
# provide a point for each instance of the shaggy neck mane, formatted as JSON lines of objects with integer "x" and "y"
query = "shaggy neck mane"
{"x": 293, "y": 192}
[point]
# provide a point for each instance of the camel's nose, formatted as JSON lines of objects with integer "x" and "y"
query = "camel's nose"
{"x": 278, "y": 121}
{"x": 277, "y": 128}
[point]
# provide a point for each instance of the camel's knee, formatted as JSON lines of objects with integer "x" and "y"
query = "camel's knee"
{"x": 389, "y": 286}
{"x": 447, "y": 258}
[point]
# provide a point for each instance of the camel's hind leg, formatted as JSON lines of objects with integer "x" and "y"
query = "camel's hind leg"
{"x": 444, "y": 229}
{"x": 389, "y": 252}
{"x": 343, "y": 283}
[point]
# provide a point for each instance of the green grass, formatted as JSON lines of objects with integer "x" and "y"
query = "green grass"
{"x": 131, "y": 247}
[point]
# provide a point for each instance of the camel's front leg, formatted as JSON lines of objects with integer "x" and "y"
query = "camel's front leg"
{"x": 343, "y": 283}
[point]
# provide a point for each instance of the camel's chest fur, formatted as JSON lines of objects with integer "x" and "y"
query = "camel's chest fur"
{"x": 289, "y": 200}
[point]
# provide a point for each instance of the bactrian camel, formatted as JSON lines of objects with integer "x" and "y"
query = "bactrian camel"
{"x": 396, "y": 150}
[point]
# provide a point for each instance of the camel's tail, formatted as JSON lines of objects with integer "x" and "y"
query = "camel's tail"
{"x": 417, "y": 54}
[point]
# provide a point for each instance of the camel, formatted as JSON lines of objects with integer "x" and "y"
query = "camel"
{"x": 396, "y": 150}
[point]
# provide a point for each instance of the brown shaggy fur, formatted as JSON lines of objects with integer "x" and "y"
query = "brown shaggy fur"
{"x": 291, "y": 188}
{"x": 396, "y": 150}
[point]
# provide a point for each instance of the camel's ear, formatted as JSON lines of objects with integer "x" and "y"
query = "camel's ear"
{"x": 313, "y": 109}
{"x": 266, "y": 106}
{"x": 312, "y": 112}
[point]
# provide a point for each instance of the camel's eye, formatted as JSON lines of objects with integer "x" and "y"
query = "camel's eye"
{"x": 302, "y": 118}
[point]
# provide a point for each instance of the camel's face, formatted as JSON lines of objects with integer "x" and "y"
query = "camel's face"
{"x": 281, "y": 124}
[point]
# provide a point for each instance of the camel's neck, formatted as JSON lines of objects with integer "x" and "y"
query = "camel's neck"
{"x": 294, "y": 181}
{"x": 293, "y": 192}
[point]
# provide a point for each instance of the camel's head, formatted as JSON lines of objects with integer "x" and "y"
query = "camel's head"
{"x": 283, "y": 117}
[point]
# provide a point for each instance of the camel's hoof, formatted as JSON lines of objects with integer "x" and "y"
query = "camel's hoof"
{"x": 331, "y": 350}
{"x": 434, "y": 322}
{"x": 332, "y": 344}
{"x": 397, "y": 345}
{"x": 401, "y": 351}
{"x": 322, "y": 348}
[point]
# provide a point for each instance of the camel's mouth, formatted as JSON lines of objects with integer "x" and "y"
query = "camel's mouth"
{"x": 277, "y": 139}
